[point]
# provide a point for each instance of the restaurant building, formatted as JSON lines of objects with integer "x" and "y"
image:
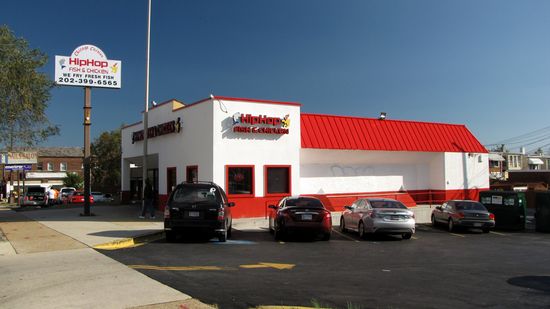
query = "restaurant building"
{"x": 260, "y": 151}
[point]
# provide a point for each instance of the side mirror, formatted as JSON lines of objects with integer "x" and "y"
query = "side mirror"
{"x": 230, "y": 204}
{"x": 438, "y": 208}
{"x": 273, "y": 207}
{"x": 348, "y": 207}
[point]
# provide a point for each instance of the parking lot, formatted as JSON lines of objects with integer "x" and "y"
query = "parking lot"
{"x": 434, "y": 269}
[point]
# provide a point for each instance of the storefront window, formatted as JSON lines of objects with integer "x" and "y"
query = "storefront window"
{"x": 240, "y": 180}
{"x": 278, "y": 180}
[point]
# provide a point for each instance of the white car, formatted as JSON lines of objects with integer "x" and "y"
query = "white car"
{"x": 378, "y": 216}
{"x": 102, "y": 198}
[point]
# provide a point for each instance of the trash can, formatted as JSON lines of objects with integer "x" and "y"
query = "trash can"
{"x": 542, "y": 215}
{"x": 509, "y": 208}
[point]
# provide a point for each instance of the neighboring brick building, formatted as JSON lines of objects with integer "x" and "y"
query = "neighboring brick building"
{"x": 53, "y": 165}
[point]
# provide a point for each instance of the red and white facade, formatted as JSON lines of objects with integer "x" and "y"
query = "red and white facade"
{"x": 262, "y": 150}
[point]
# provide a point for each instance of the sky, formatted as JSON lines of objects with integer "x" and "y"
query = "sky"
{"x": 482, "y": 63}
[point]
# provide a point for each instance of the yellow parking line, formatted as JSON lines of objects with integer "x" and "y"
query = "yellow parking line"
{"x": 180, "y": 268}
{"x": 345, "y": 236}
{"x": 501, "y": 234}
{"x": 281, "y": 242}
{"x": 457, "y": 235}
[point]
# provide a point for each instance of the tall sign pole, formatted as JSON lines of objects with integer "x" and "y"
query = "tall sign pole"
{"x": 87, "y": 124}
{"x": 87, "y": 67}
{"x": 146, "y": 112}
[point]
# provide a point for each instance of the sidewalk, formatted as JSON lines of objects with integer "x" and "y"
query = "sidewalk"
{"x": 46, "y": 261}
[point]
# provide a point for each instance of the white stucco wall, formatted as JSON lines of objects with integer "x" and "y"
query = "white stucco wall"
{"x": 191, "y": 146}
{"x": 232, "y": 148}
{"x": 466, "y": 171}
{"x": 352, "y": 171}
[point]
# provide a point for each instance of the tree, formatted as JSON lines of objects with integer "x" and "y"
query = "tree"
{"x": 73, "y": 180}
{"x": 24, "y": 93}
{"x": 106, "y": 156}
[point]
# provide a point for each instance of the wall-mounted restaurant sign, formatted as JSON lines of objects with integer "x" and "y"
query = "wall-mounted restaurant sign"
{"x": 173, "y": 126}
{"x": 261, "y": 124}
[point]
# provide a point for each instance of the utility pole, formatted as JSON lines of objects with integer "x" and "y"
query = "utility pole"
{"x": 87, "y": 123}
{"x": 146, "y": 112}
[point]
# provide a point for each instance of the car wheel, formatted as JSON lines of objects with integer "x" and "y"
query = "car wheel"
{"x": 229, "y": 232}
{"x": 451, "y": 225}
{"x": 326, "y": 236}
{"x": 434, "y": 223}
{"x": 343, "y": 225}
{"x": 170, "y": 236}
{"x": 278, "y": 234}
{"x": 361, "y": 230}
{"x": 407, "y": 235}
{"x": 222, "y": 237}
{"x": 486, "y": 230}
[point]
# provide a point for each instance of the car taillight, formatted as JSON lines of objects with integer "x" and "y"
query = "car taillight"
{"x": 374, "y": 215}
{"x": 327, "y": 216}
{"x": 460, "y": 215}
{"x": 221, "y": 214}
{"x": 26, "y": 198}
{"x": 285, "y": 213}
{"x": 491, "y": 216}
{"x": 166, "y": 212}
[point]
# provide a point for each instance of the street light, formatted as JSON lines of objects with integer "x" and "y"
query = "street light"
{"x": 145, "y": 114}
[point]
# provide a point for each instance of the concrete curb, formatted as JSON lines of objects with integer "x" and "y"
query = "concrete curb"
{"x": 130, "y": 242}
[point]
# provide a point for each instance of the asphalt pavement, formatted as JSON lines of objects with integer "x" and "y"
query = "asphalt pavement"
{"x": 47, "y": 260}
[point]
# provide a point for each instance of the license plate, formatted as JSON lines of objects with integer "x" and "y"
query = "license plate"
{"x": 306, "y": 217}
{"x": 395, "y": 217}
{"x": 194, "y": 214}
{"x": 477, "y": 224}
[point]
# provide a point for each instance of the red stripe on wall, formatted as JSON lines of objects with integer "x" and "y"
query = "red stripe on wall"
{"x": 254, "y": 207}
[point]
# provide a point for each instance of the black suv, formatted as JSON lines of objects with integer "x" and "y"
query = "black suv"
{"x": 198, "y": 206}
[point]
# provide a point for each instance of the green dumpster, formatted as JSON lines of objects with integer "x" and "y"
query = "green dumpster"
{"x": 543, "y": 212}
{"x": 509, "y": 208}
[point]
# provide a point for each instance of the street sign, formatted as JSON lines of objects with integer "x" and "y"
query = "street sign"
{"x": 23, "y": 157}
{"x": 18, "y": 167}
{"x": 89, "y": 67}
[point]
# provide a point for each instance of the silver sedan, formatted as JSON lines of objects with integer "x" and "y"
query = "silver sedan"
{"x": 378, "y": 216}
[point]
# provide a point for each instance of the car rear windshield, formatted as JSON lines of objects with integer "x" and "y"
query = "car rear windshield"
{"x": 36, "y": 190}
{"x": 196, "y": 194}
{"x": 304, "y": 202}
{"x": 470, "y": 206}
{"x": 387, "y": 204}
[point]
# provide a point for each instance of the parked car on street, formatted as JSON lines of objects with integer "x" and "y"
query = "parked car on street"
{"x": 35, "y": 196}
{"x": 298, "y": 215}
{"x": 369, "y": 216}
{"x": 77, "y": 197}
{"x": 99, "y": 197}
{"x": 463, "y": 213}
{"x": 65, "y": 193}
{"x": 198, "y": 207}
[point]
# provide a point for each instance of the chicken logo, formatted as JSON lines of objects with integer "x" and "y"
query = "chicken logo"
{"x": 236, "y": 118}
{"x": 114, "y": 68}
{"x": 62, "y": 63}
{"x": 286, "y": 121}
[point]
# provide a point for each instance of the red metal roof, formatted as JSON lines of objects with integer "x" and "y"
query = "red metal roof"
{"x": 354, "y": 133}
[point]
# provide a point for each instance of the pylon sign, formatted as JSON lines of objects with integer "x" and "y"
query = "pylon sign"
{"x": 89, "y": 67}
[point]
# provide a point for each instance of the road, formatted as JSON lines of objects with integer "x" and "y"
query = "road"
{"x": 435, "y": 269}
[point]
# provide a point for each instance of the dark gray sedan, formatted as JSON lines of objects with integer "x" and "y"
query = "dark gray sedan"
{"x": 463, "y": 213}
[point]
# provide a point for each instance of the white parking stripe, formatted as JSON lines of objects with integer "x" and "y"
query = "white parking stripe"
{"x": 501, "y": 234}
{"x": 457, "y": 235}
{"x": 345, "y": 236}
